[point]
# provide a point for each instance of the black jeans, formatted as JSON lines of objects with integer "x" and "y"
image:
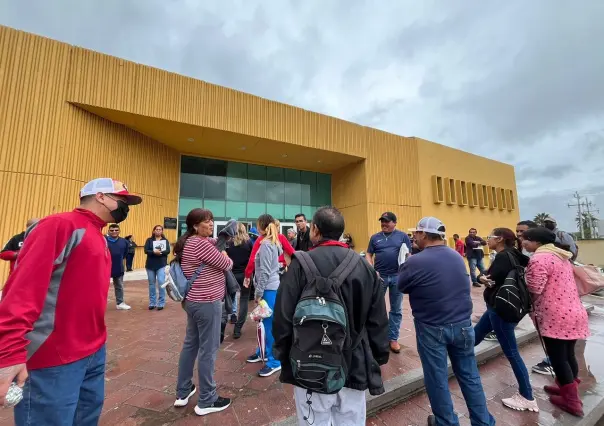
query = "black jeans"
{"x": 129, "y": 261}
{"x": 244, "y": 299}
{"x": 562, "y": 358}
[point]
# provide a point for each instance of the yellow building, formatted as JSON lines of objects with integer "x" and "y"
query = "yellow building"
{"x": 68, "y": 115}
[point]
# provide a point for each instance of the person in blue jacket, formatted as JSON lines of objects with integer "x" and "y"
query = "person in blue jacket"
{"x": 118, "y": 247}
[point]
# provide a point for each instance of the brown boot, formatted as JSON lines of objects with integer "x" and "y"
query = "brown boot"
{"x": 555, "y": 390}
{"x": 395, "y": 347}
{"x": 569, "y": 399}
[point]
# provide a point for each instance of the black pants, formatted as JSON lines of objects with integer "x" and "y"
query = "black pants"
{"x": 562, "y": 357}
{"x": 129, "y": 261}
{"x": 244, "y": 300}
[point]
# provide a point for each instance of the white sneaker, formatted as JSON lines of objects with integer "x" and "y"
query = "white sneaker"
{"x": 520, "y": 403}
{"x": 185, "y": 401}
{"x": 123, "y": 307}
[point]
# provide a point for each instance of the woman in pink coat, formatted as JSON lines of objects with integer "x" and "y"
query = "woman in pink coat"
{"x": 558, "y": 314}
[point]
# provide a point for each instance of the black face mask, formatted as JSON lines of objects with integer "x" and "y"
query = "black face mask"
{"x": 120, "y": 213}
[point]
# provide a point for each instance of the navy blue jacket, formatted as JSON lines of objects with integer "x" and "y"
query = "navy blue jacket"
{"x": 118, "y": 250}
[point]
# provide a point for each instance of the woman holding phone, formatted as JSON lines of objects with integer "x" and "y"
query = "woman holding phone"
{"x": 157, "y": 249}
{"x": 503, "y": 242}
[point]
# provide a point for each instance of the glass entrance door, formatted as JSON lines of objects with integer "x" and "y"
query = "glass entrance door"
{"x": 285, "y": 226}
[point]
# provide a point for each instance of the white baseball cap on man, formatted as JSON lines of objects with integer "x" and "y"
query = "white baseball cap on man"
{"x": 110, "y": 186}
{"x": 431, "y": 225}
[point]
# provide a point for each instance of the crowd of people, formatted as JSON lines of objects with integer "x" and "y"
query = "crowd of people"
{"x": 329, "y": 330}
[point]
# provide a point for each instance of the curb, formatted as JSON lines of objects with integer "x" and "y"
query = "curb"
{"x": 411, "y": 383}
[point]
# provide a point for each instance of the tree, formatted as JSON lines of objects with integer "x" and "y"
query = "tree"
{"x": 589, "y": 222}
{"x": 540, "y": 218}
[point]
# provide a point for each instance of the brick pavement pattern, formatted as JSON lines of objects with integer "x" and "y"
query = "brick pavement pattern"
{"x": 143, "y": 350}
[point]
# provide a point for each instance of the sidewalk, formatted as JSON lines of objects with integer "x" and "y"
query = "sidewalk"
{"x": 143, "y": 351}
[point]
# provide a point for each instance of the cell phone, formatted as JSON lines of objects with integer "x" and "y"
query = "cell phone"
{"x": 13, "y": 396}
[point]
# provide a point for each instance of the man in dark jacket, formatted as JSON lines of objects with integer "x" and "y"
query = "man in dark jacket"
{"x": 12, "y": 247}
{"x": 475, "y": 254}
{"x": 302, "y": 241}
{"x": 366, "y": 310}
{"x": 118, "y": 247}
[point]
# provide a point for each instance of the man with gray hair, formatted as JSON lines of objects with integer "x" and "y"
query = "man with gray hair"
{"x": 436, "y": 277}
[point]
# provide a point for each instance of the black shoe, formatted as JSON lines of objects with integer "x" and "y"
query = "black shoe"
{"x": 431, "y": 420}
{"x": 220, "y": 404}
{"x": 160, "y": 308}
{"x": 233, "y": 319}
{"x": 237, "y": 333}
{"x": 491, "y": 337}
{"x": 151, "y": 308}
{"x": 476, "y": 285}
{"x": 128, "y": 270}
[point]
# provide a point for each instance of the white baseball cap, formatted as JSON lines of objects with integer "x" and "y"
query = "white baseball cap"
{"x": 430, "y": 225}
{"x": 110, "y": 186}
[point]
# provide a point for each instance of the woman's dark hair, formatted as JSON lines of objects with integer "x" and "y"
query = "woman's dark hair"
{"x": 195, "y": 217}
{"x": 539, "y": 235}
{"x": 508, "y": 236}
{"x": 265, "y": 220}
{"x": 153, "y": 232}
{"x": 455, "y": 235}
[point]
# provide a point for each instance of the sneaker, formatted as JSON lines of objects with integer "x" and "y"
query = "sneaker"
{"x": 543, "y": 368}
{"x": 160, "y": 308}
{"x": 237, "y": 333}
{"x": 123, "y": 307}
{"x": 267, "y": 371}
{"x": 520, "y": 403}
{"x": 233, "y": 319}
{"x": 151, "y": 308}
{"x": 255, "y": 358}
{"x": 491, "y": 337}
{"x": 183, "y": 402}
{"x": 220, "y": 404}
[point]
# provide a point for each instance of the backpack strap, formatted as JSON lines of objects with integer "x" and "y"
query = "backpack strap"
{"x": 308, "y": 266}
{"x": 191, "y": 280}
{"x": 339, "y": 275}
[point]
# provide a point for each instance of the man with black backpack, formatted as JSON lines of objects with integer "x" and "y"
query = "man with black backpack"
{"x": 331, "y": 327}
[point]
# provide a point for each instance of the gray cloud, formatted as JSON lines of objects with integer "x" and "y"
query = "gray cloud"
{"x": 520, "y": 82}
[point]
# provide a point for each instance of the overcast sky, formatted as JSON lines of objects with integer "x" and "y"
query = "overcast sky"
{"x": 517, "y": 81}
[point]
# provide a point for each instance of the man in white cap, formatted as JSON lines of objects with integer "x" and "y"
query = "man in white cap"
{"x": 437, "y": 284}
{"x": 52, "y": 316}
{"x": 563, "y": 238}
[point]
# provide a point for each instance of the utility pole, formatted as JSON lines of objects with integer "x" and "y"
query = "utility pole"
{"x": 578, "y": 206}
{"x": 588, "y": 207}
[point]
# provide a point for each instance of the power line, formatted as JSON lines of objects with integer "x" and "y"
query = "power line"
{"x": 577, "y": 196}
{"x": 590, "y": 218}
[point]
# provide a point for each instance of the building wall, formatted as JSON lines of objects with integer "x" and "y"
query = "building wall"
{"x": 445, "y": 162}
{"x": 49, "y": 148}
{"x": 591, "y": 252}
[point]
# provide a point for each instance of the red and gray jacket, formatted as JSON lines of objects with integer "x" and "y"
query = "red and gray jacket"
{"x": 52, "y": 310}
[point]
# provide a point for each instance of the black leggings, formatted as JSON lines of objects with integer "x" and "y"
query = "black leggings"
{"x": 561, "y": 355}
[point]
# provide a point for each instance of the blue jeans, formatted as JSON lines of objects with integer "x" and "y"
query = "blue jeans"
{"x": 490, "y": 321}
{"x": 395, "y": 316}
{"x": 269, "y": 296}
{"x": 158, "y": 276}
{"x": 235, "y": 303}
{"x": 434, "y": 343}
{"x": 476, "y": 262}
{"x": 66, "y": 395}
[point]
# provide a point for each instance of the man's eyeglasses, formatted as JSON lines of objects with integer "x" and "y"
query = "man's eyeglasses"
{"x": 300, "y": 221}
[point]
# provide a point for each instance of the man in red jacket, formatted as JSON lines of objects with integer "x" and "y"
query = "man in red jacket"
{"x": 52, "y": 315}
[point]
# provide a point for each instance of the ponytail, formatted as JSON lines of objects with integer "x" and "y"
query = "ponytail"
{"x": 272, "y": 234}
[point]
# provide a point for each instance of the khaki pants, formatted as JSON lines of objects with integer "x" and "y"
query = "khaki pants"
{"x": 346, "y": 408}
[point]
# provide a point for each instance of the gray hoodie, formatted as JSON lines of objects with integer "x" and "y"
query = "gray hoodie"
{"x": 267, "y": 267}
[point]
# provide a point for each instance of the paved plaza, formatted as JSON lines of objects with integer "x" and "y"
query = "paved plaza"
{"x": 143, "y": 351}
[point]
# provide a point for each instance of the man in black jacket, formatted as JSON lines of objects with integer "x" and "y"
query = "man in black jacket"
{"x": 302, "y": 241}
{"x": 366, "y": 310}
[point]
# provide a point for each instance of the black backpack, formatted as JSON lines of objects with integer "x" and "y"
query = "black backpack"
{"x": 512, "y": 300}
{"x": 321, "y": 335}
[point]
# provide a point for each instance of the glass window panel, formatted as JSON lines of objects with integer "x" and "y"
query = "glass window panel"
{"x": 254, "y": 210}
{"x": 216, "y": 207}
{"x": 292, "y": 176}
{"x": 256, "y": 172}
{"x": 185, "y": 205}
{"x": 236, "y": 189}
{"x": 237, "y": 170}
{"x": 215, "y": 168}
{"x": 193, "y": 165}
{"x": 293, "y": 193}
{"x": 235, "y": 210}
{"x": 191, "y": 185}
{"x": 291, "y": 210}
{"x": 214, "y": 187}
{"x": 182, "y": 225}
{"x": 323, "y": 189}
{"x": 256, "y": 185}
{"x": 275, "y": 210}
{"x": 308, "y": 180}
{"x": 275, "y": 188}
{"x": 308, "y": 211}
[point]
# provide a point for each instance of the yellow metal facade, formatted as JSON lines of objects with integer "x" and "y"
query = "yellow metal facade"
{"x": 68, "y": 115}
